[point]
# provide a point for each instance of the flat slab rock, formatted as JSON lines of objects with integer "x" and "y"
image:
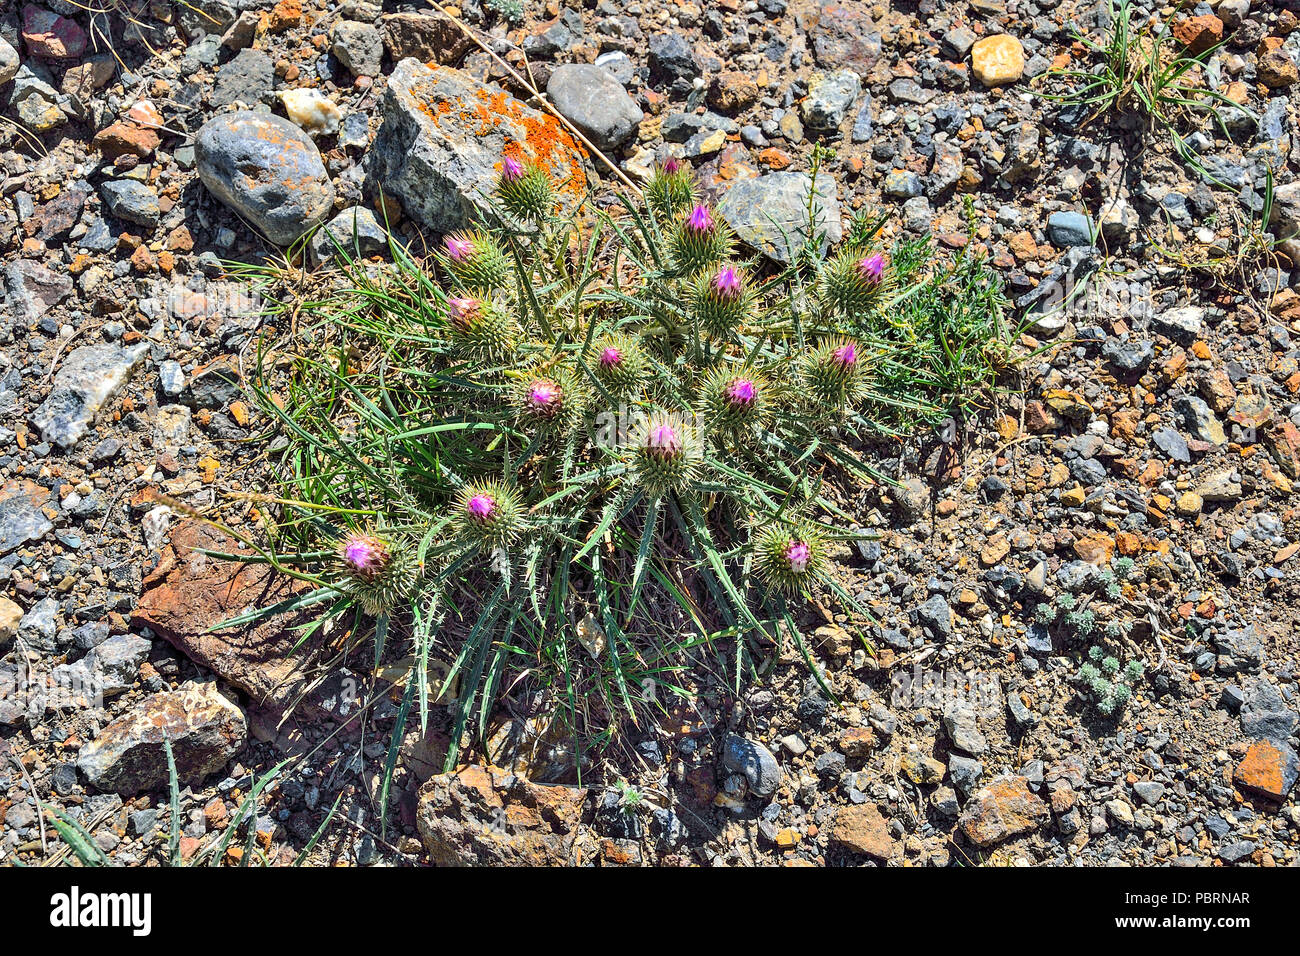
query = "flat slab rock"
{"x": 87, "y": 379}
{"x": 488, "y": 816}
{"x": 444, "y": 134}
{"x": 188, "y": 593}
{"x": 770, "y": 214}
{"x": 1004, "y": 809}
{"x": 204, "y": 726}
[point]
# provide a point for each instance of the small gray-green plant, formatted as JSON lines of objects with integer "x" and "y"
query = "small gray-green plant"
{"x": 1105, "y": 684}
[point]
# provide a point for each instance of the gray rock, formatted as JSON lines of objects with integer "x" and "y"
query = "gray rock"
{"x": 359, "y": 47}
{"x": 267, "y": 170}
{"x": 115, "y": 664}
{"x": 744, "y": 756}
{"x": 132, "y": 201}
{"x": 38, "y": 628}
{"x": 9, "y": 62}
{"x": 21, "y": 518}
{"x": 1181, "y": 325}
{"x": 594, "y": 101}
{"x": 32, "y": 289}
{"x": 1065, "y": 229}
{"x": 671, "y": 57}
{"x": 1200, "y": 420}
{"x": 1265, "y": 714}
{"x": 960, "y": 724}
{"x": 356, "y": 230}
{"x": 1149, "y": 792}
{"x": 248, "y": 78}
{"x": 935, "y": 617}
{"x": 441, "y": 165}
{"x": 770, "y": 213}
{"x": 830, "y": 97}
{"x": 206, "y": 729}
{"x": 1173, "y": 444}
{"x": 88, "y": 378}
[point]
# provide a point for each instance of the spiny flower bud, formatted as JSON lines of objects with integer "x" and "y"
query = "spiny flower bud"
{"x": 853, "y": 284}
{"x": 721, "y": 301}
{"x": 735, "y": 402}
{"x": 525, "y": 190}
{"x": 478, "y": 328}
{"x": 699, "y": 241}
{"x": 545, "y": 398}
{"x": 835, "y": 375}
{"x": 475, "y": 262}
{"x": 666, "y": 457}
{"x": 488, "y": 514}
{"x": 549, "y": 398}
{"x": 789, "y": 558}
{"x": 669, "y": 190}
{"x": 618, "y": 361}
{"x": 379, "y": 574}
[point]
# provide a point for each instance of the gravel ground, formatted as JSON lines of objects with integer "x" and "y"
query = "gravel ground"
{"x": 1156, "y": 420}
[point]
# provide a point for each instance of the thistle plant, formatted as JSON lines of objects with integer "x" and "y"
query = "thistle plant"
{"x": 630, "y": 435}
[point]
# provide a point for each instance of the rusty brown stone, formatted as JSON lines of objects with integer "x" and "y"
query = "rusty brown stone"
{"x": 189, "y": 593}
{"x": 488, "y": 816}
{"x": 862, "y": 829}
{"x": 1268, "y": 769}
{"x": 1004, "y": 809}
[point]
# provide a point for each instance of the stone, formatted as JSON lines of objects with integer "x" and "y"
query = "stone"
{"x": 1198, "y": 33}
{"x": 444, "y": 134}
{"x": 9, "y": 62}
{"x": 935, "y": 618}
{"x": 39, "y": 627}
{"x": 1200, "y": 420}
{"x": 424, "y": 36}
{"x": 596, "y": 103}
{"x": 671, "y": 58}
{"x": 356, "y": 230}
{"x": 206, "y": 730}
{"x": 1066, "y": 229}
{"x": 862, "y": 829}
{"x": 51, "y": 36}
{"x": 749, "y": 757}
{"x": 1269, "y": 769}
{"x": 312, "y": 111}
{"x": 1277, "y": 70}
{"x": 830, "y": 97}
{"x": 248, "y": 79}
{"x": 359, "y": 47}
{"x": 733, "y": 91}
{"x": 188, "y": 594}
{"x": 32, "y": 290}
{"x": 1182, "y": 325}
{"x": 131, "y": 201}
{"x": 842, "y": 35}
{"x": 1003, "y": 809}
{"x": 88, "y": 378}
{"x": 963, "y": 730}
{"x": 770, "y": 213}
{"x": 10, "y": 615}
{"x": 487, "y": 816}
{"x": 997, "y": 60}
{"x": 21, "y": 516}
{"x": 267, "y": 170}
{"x": 121, "y": 139}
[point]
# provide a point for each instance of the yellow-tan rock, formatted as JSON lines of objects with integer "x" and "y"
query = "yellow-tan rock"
{"x": 997, "y": 60}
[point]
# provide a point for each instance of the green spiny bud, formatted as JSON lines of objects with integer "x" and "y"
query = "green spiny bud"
{"x": 488, "y": 514}
{"x": 835, "y": 375}
{"x": 379, "y": 574}
{"x": 789, "y": 557}
{"x": 525, "y": 190}
{"x": 699, "y": 241}
{"x": 852, "y": 283}
{"x": 475, "y": 262}
{"x": 665, "y": 454}
{"x": 479, "y": 328}
{"x": 618, "y": 361}
{"x": 670, "y": 190}
{"x": 721, "y": 300}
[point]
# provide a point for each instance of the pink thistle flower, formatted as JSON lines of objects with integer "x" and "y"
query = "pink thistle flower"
{"x": 846, "y": 355}
{"x": 480, "y": 507}
{"x": 672, "y": 165}
{"x": 511, "y": 169}
{"x": 663, "y": 441}
{"x": 544, "y": 397}
{"x": 364, "y": 554}
{"x": 458, "y": 250}
{"x": 872, "y": 269}
{"x": 701, "y": 220}
{"x": 741, "y": 392}
{"x": 726, "y": 284}
{"x": 610, "y": 356}
{"x": 462, "y": 312}
{"x": 797, "y": 555}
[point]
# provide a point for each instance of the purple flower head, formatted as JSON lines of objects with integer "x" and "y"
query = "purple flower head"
{"x": 872, "y": 268}
{"x": 846, "y": 355}
{"x": 726, "y": 284}
{"x": 544, "y": 397}
{"x": 797, "y": 555}
{"x": 364, "y": 554}
{"x": 480, "y": 507}
{"x": 672, "y": 165}
{"x": 610, "y": 357}
{"x": 462, "y": 311}
{"x": 741, "y": 392}
{"x": 663, "y": 441}
{"x": 701, "y": 220}
{"x": 512, "y": 170}
{"x": 458, "y": 249}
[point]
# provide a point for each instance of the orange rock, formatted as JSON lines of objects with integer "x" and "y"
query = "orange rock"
{"x": 1268, "y": 769}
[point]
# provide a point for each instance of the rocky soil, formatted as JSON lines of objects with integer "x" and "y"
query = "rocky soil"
{"x": 1157, "y": 419}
